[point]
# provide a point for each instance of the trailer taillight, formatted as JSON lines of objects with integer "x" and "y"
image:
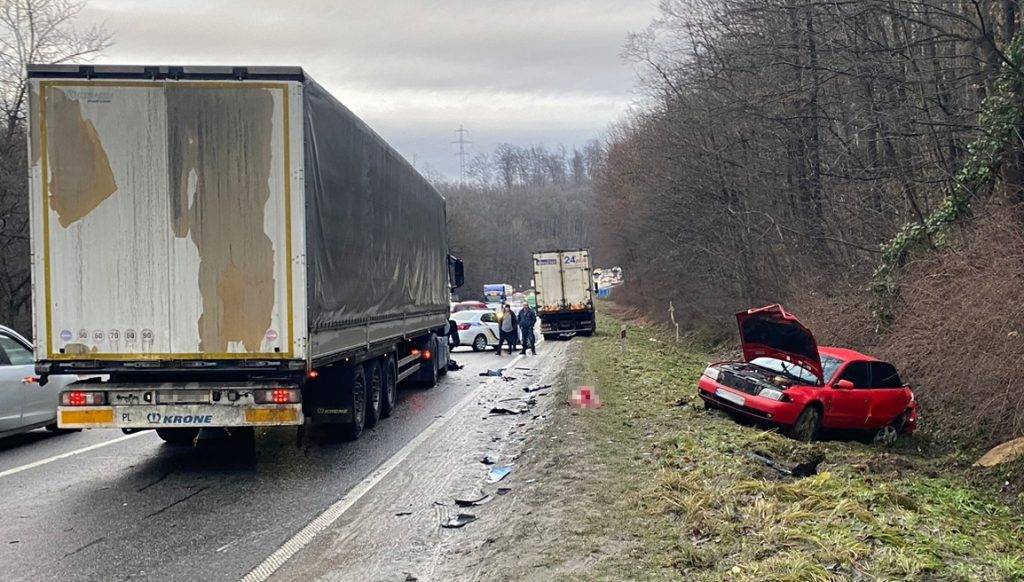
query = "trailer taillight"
{"x": 277, "y": 396}
{"x": 313, "y": 374}
{"x": 427, "y": 354}
{"x": 82, "y": 398}
{"x": 414, "y": 353}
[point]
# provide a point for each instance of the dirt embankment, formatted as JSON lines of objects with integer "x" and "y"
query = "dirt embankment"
{"x": 958, "y": 336}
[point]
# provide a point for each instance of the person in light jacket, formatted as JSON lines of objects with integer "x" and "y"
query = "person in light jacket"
{"x": 507, "y": 330}
{"x": 527, "y": 321}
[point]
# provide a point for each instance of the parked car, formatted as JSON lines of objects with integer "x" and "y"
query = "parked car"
{"x": 788, "y": 381}
{"x": 24, "y": 403}
{"x": 468, "y": 306}
{"x": 478, "y": 329}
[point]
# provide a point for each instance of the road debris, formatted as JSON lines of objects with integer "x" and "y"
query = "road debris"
{"x": 497, "y": 372}
{"x": 487, "y": 460}
{"x": 454, "y": 366}
{"x": 478, "y": 498}
{"x": 498, "y": 473}
{"x": 402, "y": 513}
{"x": 503, "y": 490}
{"x": 499, "y": 410}
{"x": 799, "y": 470}
{"x": 459, "y": 520}
{"x": 536, "y": 388}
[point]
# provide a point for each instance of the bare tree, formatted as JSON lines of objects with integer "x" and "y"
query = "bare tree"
{"x": 31, "y": 31}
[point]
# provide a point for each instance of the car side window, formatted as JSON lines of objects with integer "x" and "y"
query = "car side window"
{"x": 859, "y": 373}
{"x": 884, "y": 375}
{"x": 14, "y": 354}
{"x": 487, "y": 318}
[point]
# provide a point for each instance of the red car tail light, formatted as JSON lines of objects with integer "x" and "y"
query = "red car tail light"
{"x": 82, "y": 398}
{"x": 277, "y": 396}
{"x": 463, "y": 326}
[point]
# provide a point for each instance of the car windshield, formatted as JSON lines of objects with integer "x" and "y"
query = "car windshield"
{"x": 829, "y": 366}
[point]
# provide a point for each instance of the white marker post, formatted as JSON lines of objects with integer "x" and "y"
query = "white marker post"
{"x": 622, "y": 338}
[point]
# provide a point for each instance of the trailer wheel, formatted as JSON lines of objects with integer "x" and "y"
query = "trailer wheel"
{"x": 178, "y": 436}
{"x": 374, "y": 392}
{"x": 390, "y": 398}
{"x": 354, "y": 429}
{"x": 428, "y": 368}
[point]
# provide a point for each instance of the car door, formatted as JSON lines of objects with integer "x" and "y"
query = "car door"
{"x": 887, "y": 398}
{"x": 848, "y": 407}
{"x": 490, "y": 323}
{"x": 39, "y": 403}
{"x": 12, "y": 396}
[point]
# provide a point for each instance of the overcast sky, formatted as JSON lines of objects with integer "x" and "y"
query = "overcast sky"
{"x": 518, "y": 71}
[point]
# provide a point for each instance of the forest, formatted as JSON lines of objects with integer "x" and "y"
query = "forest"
{"x": 859, "y": 161}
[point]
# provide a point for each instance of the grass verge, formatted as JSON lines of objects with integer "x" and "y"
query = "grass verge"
{"x": 669, "y": 491}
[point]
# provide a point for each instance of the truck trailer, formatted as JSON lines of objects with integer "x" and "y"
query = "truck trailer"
{"x": 227, "y": 247}
{"x": 564, "y": 293}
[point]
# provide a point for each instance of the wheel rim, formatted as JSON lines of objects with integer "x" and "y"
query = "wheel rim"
{"x": 392, "y": 386}
{"x": 375, "y": 389}
{"x": 359, "y": 400}
{"x": 886, "y": 436}
{"x": 480, "y": 342}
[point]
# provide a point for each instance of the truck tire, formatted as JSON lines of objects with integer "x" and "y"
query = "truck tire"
{"x": 178, "y": 436}
{"x": 479, "y": 343}
{"x": 353, "y": 429}
{"x": 374, "y": 392}
{"x": 444, "y": 354}
{"x": 390, "y": 398}
{"x": 428, "y": 368}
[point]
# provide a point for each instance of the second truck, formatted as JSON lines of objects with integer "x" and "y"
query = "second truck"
{"x": 565, "y": 293}
{"x": 227, "y": 247}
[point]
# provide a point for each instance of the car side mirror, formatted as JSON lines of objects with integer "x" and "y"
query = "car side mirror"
{"x": 456, "y": 272}
{"x": 845, "y": 385}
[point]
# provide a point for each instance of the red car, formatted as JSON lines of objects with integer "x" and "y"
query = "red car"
{"x": 468, "y": 306}
{"x": 787, "y": 380}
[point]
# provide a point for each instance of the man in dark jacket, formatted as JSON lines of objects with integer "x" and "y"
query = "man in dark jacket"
{"x": 527, "y": 321}
{"x": 507, "y": 330}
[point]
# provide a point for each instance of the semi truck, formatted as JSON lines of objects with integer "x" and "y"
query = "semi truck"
{"x": 564, "y": 293}
{"x": 497, "y": 293}
{"x": 227, "y": 247}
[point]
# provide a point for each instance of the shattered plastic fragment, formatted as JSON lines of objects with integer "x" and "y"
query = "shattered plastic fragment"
{"x": 478, "y": 498}
{"x": 487, "y": 460}
{"x": 492, "y": 372}
{"x": 498, "y": 473}
{"x": 536, "y": 388}
{"x": 503, "y": 490}
{"x": 502, "y": 410}
{"x": 459, "y": 520}
{"x": 454, "y": 366}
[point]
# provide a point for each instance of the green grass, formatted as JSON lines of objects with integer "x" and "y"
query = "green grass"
{"x": 679, "y": 498}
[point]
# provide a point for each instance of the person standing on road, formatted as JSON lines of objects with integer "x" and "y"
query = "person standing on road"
{"x": 527, "y": 321}
{"x": 507, "y": 330}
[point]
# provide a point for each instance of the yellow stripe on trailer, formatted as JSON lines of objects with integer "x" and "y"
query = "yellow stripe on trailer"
{"x": 101, "y": 416}
{"x": 271, "y": 415}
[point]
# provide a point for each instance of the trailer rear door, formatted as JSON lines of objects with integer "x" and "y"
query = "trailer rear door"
{"x": 166, "y": 219}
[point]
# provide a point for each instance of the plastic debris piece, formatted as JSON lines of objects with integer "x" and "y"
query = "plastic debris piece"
{"x": 402, "y": 513}
{"x": 503, "y": 490}
{"x": 800, "y": 470}
{"x": 459, "y": 520}
{"x": 454, "y": 366}
{"x": 536, "y": 388}
{"x": 502, "y": 410}
{"x": 487, "y": 460}
{"x": 474, "y": 499}
{"x": 493, "y": 372}
{"x": 498, "y": 473}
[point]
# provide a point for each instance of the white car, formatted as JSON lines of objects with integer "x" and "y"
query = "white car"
{"x": 477, "y": 328}
{"x": 25, "y": 404}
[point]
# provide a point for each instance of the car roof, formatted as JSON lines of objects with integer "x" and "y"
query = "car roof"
{"x": 468, "y": 313}
{"x": 845, "y": 354}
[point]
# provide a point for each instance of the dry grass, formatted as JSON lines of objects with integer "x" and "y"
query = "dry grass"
{"x": 680, "y": 499}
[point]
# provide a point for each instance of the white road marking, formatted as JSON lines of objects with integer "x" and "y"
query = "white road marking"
{"x": 306, "y": 535}
{"x": 70, "y": 454}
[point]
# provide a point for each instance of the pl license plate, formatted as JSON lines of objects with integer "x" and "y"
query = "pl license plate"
{"x": 734, "y": 398}
{"x": 184, "y": 397}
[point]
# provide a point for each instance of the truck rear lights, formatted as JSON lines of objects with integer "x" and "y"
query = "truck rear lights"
{"x": 427, "y": 354}
{"x": 82, "y": 398}
{"x": 277, "y": 396}
{"x": 415, "y": 353}
{"x": 313, "y": 374}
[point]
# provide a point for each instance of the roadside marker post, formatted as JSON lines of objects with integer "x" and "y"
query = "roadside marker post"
{"x": 622, "y": 338}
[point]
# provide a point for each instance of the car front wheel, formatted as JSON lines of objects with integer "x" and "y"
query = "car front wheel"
{"x": 807, "y": 424}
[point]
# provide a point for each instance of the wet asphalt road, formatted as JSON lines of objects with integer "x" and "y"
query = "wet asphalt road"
{"x": 143, "y": 509}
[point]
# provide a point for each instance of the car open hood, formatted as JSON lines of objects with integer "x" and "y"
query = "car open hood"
{"x": 770, "y": 332}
